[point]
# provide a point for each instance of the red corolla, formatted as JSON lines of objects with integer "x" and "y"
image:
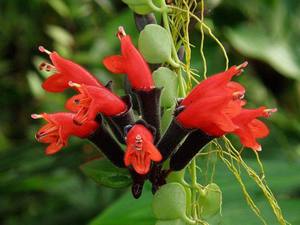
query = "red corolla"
{"x": 140, "y": 149}
{"x": 59, "y": 128}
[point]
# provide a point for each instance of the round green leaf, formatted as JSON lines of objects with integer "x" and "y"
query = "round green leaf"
{"x": 103, "y": 172}
{"x": 166, "y": 78}
{"x": 211, "y": 201}
{"x": 170, "y": 222}
{"x": 155, "y": 44}
{"x": 169, "y": 202}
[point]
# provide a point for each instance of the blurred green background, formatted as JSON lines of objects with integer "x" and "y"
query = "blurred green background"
{"x": 35, "y": 189}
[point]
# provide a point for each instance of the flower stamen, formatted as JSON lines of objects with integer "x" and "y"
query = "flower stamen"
{"x": 268, "y": 112}
{"x": 121, "y": 32}
{"x": 242, "y": 66}
{"x": 47, "y": 67}
{"x": 238, "y": 95}
{"x": 73, "y": 84}
{"x": 43, "y": 49}
{"x": 37, "y": 116}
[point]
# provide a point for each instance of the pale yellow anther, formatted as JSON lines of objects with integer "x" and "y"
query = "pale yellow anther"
{"x": 121, "y": 31}
{"x": 238, "y": 95}
{"x": 72, "y": 84}
{"x": 36, "y": 116}
{"x": 269, "y": 112}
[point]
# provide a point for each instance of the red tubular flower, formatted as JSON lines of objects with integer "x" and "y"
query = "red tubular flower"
{"x": 65, "y": 71}
{"x": 140, "y": 149}
{"x": 250, "y": 128}
{"x": 216, "y": 84}
{"x": 131, "y": 63}
{"x": 59, "y": 128}
{"x": 212, "y": 115}
{"x": 213, "y": 103}
{"x": 93, "y": 100}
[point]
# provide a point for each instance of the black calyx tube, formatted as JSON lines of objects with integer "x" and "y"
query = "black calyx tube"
{"x": 137, "y": 184}
{"x": 149, "y": 104}
{"x": 189, "y": 149}
{"x": 142, "y": 20}
{"x": 108, "y": 145}
{"x": 171, "y": 139}
{"x": 117, "y": 123}
{"x": 157, "y": 177}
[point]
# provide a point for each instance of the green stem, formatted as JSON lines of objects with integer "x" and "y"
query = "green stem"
{"x": 154, "y": 7}
{"x": 193, "y": 172}
{"x": 176, "y": 62}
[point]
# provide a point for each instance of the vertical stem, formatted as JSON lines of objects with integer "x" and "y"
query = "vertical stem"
{"x": 193, "y": 172}
{"x": 174, "y": 51}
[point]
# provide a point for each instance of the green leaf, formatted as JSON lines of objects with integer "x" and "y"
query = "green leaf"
{"x": 35, "y": 84}
{"x": 103, "y": 172}
{"x": 155, "y": 44}
{"x": 169, "y": 202}
{"x": 60, "y": 7}
{"x": 128, "y": 211}
{"x": 254, "y": 42}
{"x": 166, "y": 78}
{"x": 167, "y": 118}
{"x": 141, "y": 6}
{"x": 60, "y": 35}
{"x": 210, "y": 201}
{"x": 170, "y": 222}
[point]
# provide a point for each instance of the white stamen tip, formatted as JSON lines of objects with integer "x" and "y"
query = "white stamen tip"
{"x": 243, "y": 65}
{"x": 42, "y": 49}
{"x": 270, "y": 111}
{"x": 258, "y": 148}
{"x": 36, "y": 116}
{"x": 121, "y": 32}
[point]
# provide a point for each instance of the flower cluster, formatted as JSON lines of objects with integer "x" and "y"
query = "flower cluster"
{"x": 215, "y": 107}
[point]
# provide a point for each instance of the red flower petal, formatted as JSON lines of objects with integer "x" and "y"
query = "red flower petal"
{"x": 55, "y": 83}
{"x": 59, "y": 128}
{"x": 94, "y": 100}
{"x": 214, "y": 84}
{"x": 53, "y": 148}
{"x": 132, "y": 63}
{"x": 140, "y": 149}
{"x": 207, "y": 115}
{"x": 115, "y": 64}
{"x": 71, "y": 103}
{"x": 154, "y": 154}
{"x": 251, "y": 128}
{"x": 66, "y": 71}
